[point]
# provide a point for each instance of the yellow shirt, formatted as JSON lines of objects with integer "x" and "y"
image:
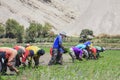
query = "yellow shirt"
{"x": 34, "y": 48}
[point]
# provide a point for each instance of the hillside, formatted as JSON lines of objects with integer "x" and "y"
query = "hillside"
{"x": 102, "y": 16}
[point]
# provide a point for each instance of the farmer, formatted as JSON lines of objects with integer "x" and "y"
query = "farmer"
{"x": 7, "y": 56}
{"x": 99, "y": 49}
{"x": 83, "y": 48}
{"x": 88, "y": 43}
{"x": 57, "y": 49}
{"x": 35, "y": 52}
{"x": 76, "y": 53}
{"x": 25, "y": 55}
{"x": 93, "y": 52}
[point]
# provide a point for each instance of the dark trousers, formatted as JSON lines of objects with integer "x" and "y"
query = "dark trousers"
{"x": 3, "y": 61}
{"x": 56, "y": 57}
{"x": 17, "y": 61}
{"x": 36, "y": 60}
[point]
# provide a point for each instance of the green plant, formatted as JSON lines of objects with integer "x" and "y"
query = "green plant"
{"x": 2, "y": 30}
{"x": 14, "y": 30}
{"x": 85, "y": 35}
{"x": 86, "y": 32}
{"x": 105, "y": 68}
{"x": 37, "y": 30}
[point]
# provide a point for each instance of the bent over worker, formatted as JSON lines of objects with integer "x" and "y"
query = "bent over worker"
{"x": 25, "y": 54}
{"x": 76, "y": 53}
{"x": 36, "y": 52}
{"x": 7, "y": 56}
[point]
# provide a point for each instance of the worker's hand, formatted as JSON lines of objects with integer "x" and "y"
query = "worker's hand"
{"x": 24, "y": 64}
{"x": 29, "y": 64}
{"x": 17, "y": 71}
{"x": 9, "y": 64}
{"x": 65, "y": 50}
{"x": 11, "y": 68}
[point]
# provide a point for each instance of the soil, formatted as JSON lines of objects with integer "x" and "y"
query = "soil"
{"x": 45, "y": 59}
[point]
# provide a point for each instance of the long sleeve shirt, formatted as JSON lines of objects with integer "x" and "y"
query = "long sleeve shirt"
{"x": 78, "y": 52}
{"x": 25, "y": 52}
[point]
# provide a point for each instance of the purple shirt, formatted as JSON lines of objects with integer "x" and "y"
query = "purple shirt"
{"x": 78, "y": 52}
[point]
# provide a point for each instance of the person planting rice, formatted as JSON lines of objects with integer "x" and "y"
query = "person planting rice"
{"x": 76, "y": 53}
{"x": 35, "y": 52}
{"x": 26, "y": 55}
{"x": 92, "y": 52}
{"x": 99, "y": 49}
{"x": 88, "y": 43}
{"x": 57, "y": 49}
{"x": 83, "y": 48}
{"x": 7, "y": 57}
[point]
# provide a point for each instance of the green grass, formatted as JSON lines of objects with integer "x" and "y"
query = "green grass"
{"x": 105, "y": 68}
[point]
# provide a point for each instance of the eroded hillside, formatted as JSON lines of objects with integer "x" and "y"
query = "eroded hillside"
{"x": 102, "y": 16}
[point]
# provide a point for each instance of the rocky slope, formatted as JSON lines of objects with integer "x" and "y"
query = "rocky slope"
{"x": 102, "y": 16}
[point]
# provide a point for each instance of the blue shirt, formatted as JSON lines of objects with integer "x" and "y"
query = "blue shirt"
{"x": 87, "y": 43}
{"x": 57, "y": 42}
{"x": 81, "y": 46}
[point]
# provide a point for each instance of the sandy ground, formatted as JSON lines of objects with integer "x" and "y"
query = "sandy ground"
{"x": 45, "y": 59}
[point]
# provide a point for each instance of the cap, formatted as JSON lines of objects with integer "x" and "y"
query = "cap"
{"x": 103, "y": 49}
{"x": 63, "y": 33}
{"x": 27, "y": 45}
{"x": 41, "y": 52}
{"x": 20, "y": 51}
